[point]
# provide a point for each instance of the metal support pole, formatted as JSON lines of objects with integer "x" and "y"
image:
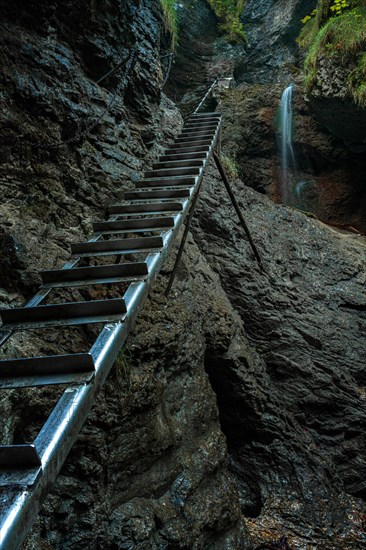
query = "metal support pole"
{"x": 182, "y": 242}
{"x": 219, "y": 142}
{"x": 237, "y": 208}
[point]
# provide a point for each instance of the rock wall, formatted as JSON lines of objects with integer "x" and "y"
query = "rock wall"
{"x": 334, "y": 70}
{"x": 51, "y": 58}
{"x": 202, "y": 55}
{"x": 149, "y": 469}
{"x": 272, "y": 27}
{"x": 292, "y": 406}
{"x": 277, "y": 356}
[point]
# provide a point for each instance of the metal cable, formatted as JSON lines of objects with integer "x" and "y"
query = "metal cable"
{"x": 170, "y": 61}
{"x": 202, "y": 99}
{"x": 130, "y": 63}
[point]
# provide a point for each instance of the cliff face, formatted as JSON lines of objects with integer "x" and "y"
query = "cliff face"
{"x": 202, "y": 55}
{"x": 334, "y": 40}
{"x": 272, "y": 27}
{"x": 149, "y": 469}
{"x": 51, "y": 58}
{"x": 270, "y": 362}
{"x": 293, "y": 408}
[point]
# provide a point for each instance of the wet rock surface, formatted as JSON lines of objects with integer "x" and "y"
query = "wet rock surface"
{"x": 333, "y": 104}
{"x": 283, "y": 350}
{"x": 50, "y": 61}
{"x": 149, "y": 469}
{"x": 202, "y": 55}
{"x": 249, "y": 135}
{"x": 272, "y": 27}
{"x": 293, "y": 409}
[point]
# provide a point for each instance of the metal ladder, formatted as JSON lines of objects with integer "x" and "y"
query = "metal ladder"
{"x": 148, "y": 220}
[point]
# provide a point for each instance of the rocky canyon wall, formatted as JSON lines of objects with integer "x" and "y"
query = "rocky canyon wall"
{"x": 234, "y": 418}
{"x": 272, "y": 27}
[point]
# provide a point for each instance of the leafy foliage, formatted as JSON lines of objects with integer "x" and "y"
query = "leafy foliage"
{"x": 229, "y": 12}
{"x": 171, "y": 19}
{"x": 230, "y": 167}
{"x": 337, "y": 29}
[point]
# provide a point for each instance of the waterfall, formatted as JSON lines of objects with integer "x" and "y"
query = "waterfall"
{"x": 287, "y": 150}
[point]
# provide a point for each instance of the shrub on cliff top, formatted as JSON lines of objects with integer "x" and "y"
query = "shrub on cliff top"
{"x": 338, "y": 31}
{"x": 171, "y": 19}
{"x": 229, "y": 12}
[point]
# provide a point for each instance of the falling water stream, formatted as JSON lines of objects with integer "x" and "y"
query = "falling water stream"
{"x": 288, "y": 164}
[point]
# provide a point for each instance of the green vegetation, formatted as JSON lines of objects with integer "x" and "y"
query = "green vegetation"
{"x": 171, "y": 19}
{"x": 229, "y": 12}
{"x": 337, "y": 30}
{"x": 230, "y": 167}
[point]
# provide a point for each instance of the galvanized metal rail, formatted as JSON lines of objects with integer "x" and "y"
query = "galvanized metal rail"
{"x": 163, "y": 198}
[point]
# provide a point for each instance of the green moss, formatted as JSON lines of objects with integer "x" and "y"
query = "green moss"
{"x": 343, "y": 38}
{"x": 308, "y": 33}
{"x": 230, "y": 166}
{"x": 171, "y": 19}
{"x": 229, "y": 12}
{"x": 357, "y": 81}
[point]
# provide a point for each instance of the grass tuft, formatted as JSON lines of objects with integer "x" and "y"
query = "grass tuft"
{"x": 171, "y": 19}
{"x": 230, "y": 167}
{"x": 229, "y": 12}
{"x": 342, "y": 38}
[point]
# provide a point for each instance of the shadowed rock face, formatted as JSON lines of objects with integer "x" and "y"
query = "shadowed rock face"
{"x": 272, "y": 27}
{"x": 51, "y": 57}
{"x": 292, "y": 409}
{"x": 202, "y": 55}
{"x": 149, "y": 469}
{"x": 333, "y": 104}
{"x": 284, "y": 350}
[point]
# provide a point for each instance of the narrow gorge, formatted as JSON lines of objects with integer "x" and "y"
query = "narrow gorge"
{"x": 234, "y": 417}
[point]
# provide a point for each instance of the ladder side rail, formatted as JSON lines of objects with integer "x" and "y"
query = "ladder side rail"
{"x": 20, "y": 507}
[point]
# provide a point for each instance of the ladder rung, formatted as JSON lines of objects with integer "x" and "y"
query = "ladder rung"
{"x": 190, "y": 134}
{"x": 157, "y": 207}
{"x": 19, "y": 456}
{"x": 177, "y": 163}
{"x": 157, "y": 194}
{"x": 171, "y": 172}
{"x": 101, "y": 274}
{"x": 115, "y": 247}
{"x": 205, "y": 115}
{"x": 42, "y": 371}
{"x": 193, "y": 130}
{"x": 194, "y": 139}
{"x": 202, "y": 120}
{"x": 70, "y": 313}
{"x": 193, "y": 142}
{"x": 165, "y": 182}
{"x": 184, "y": 156}
{"x": 145, "y": 224}
{"x": 207, "y": 120}
{"x": 200, "y": 125}
{"x": 182, "y": 149}
{"x": 20, "y": 465}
